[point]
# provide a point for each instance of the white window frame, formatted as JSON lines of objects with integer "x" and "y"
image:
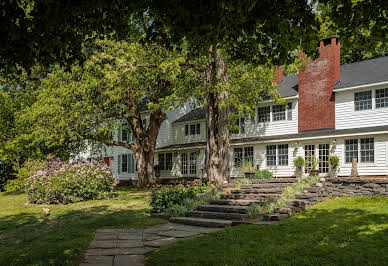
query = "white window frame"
{"x": 359, "y": 151}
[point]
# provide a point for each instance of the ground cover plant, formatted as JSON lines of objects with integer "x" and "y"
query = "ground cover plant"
{"x": 27, "y": 237}
{"x": 344, "y": 231}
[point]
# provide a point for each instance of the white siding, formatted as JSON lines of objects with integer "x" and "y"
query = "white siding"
{"x": 179, "y": 136}
{"x": 347, "y": 117}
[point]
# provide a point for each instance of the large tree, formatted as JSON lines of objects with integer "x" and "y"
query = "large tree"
{"x": 116, "y": 83}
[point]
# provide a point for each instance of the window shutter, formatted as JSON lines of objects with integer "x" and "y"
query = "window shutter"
{"x": 289, "y": 111}
{"x": 119, "y": 164}
{"x": 119, "y": 131}
{"x": 198, "y": 129}
{"x": 133, "y": 163}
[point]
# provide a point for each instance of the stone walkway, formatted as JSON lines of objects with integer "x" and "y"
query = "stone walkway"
{"x": 119, "y": 247}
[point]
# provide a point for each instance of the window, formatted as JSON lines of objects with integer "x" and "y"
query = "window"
{"x": 367, "y": 150}
{"x": 193, "y": 129}
{"x": 271, "y": 155}
{"x": 184, "y": 164}
{"x": 309, "y": 156}
{"x": 351, "y": 150}
{"x": 238, "y": 156}
{"x": 363, "y": 100}
{"x": 253, "y": 119}
{"x": 198, "y": 128}
{"x": 242, "y": 155}
{"x": 165, "y": 161}
{"x": 323, "y": 158}
{"x": 242, "y": 125}
{"x": 144, "y": 123}
{"x": 263, "y": 114}
{"x": 289, "y": 111}
{"x": 124, "y": 135}
{"x": 124, "y": 163}
{"x": 186, "y": 130}
{"x": 193, "y": 163}
{"x": 382, "y": 98}
{"x": 283, "y": 154}
{"x": 278, "y": 112}
{"x": 131, "y": 163}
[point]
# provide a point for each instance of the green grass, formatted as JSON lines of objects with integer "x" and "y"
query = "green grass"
{"x": 29, "y": 238}
{"x": 345, "y": 231}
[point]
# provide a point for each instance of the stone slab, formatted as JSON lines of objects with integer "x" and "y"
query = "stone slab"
{"x": 150, "y": 237}
{"x": 129, "y": 260}
{"x": 130, "y": 236}
{"x": 160, "y": 242}
{"x": 192, "y": 228}
{"x": 178, "y": 233}
{"x": 103, "y": 244}
{"x": 129, "y": 243}
{"x": 105, "y": 236}
{"x": 99, "y": 259}
{"x": 117, "y": 251}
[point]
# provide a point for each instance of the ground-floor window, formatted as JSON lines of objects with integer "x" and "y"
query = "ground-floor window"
{"x": 126, "y": 163}
{"x": 184, "y": 164}
{"x": 277, "y": 155}
{"x": 165, "y": 161}
{"x": 241, "y": 155}
{"x": 309, "y": 156}
{"x": 193, "y": 162}
{"x": 323, "y": 150}
{"x": 362, "y": 149}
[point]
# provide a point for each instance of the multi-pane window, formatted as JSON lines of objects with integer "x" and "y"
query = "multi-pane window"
{"x": 278, "y": 112}
{"x": 271, "y": 155}
{"x": 367, "y": 150}
{"x": 124, "y": 135}
{"x": 283, "y": 154}
{"x": 193, "y": 163}
{"x": 351, "y": 150}
{"x": 309, "y": 155}
{"x": 323, "y": 158}
{"x": 184, "y": 164}
{"x": 165, "y": 161}
{"x": 193, "y": 129}
{"x": 363, "y": 100}
{"x": 124, "y": 163}
{"x": 289, "y": 111}
{"x": 241, "y": 155}
{"x": 382, "y": 98}
{"x": 238, "y": 156}
{"x": 263, "y": 114}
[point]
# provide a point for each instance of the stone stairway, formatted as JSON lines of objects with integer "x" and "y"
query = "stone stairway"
{"x": 232, "y": 208}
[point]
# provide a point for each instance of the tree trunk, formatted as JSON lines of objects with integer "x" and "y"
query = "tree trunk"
{"x": 217, "y": 120}
{"x": 145, "y": 165}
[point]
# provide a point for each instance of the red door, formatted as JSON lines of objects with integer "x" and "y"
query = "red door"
{"x": 106, "y": 161}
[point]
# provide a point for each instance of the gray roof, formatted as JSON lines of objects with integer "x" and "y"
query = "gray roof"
{"x": 289, "y": 86}
{"x": 364, "y": 72}
{"x": 195, "y": 114}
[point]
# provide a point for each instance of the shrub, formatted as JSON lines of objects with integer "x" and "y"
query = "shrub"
{"x": 28, "y": 169}
{"x": 61, "y": 183}
{"x": 333, "y": 161}
{"x": 162, "y": 199}
{"x": 263, "y": 174}
{"x": 299, "y": 162}
{"x": 255, "y": 210}
{"x": 248, "y": 167}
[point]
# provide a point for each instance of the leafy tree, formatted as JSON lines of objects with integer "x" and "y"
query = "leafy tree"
{"x": 111, "y": 89}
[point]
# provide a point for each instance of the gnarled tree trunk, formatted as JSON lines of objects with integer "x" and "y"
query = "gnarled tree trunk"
{"x": 217, "y": 120}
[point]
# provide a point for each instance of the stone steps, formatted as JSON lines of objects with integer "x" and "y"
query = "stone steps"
{"x": 252, "y": 196}
{"x": 232, "y": 202}
{"x": 215, "y": 223}
{"x": 274, "y": 180}
{"x": 217, "y": 215}
{"x": 223, "y": 208}
{"x": 264, "y": 185}
{"x": 275, "y": 217}
{"x": 273, "y": 190}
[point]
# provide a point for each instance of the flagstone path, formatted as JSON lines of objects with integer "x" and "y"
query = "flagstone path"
{"x": 119, "y": 247}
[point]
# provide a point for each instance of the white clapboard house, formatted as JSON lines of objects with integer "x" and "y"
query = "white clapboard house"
{"x": 332, "y": 109}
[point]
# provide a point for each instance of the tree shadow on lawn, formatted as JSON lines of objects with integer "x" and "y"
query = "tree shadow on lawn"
{"x": 28, "y": 238}
{"x": 338, "y": 236}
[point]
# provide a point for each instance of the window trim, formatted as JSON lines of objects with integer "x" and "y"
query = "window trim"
{"x": 385, "y": 90}
{"x": 371, "y": 100}
{"x": 243, "y": 152}
{"x": 359, "y": 151}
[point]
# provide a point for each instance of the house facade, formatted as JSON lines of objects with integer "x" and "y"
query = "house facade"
{"x": 331, "y": 109}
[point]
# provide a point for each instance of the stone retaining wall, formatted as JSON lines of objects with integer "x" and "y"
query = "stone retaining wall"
{"x": 367, "y": 187}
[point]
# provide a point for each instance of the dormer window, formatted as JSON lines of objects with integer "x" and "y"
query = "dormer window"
{"x": 363, "y": 100}
{"x": 193, "y": 129}
{"x": 263, "y": 114}
{"x": 278, "y": 112}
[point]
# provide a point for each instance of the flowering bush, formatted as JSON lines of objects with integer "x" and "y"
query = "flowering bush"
{"x": 61, "y": 183}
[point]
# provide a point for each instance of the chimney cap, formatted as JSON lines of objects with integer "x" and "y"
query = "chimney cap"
{"x": 327, "y": 40}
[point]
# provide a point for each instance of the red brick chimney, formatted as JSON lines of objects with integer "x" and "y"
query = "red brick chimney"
{"x": 316, "y": 101}
{"x": 278, "y": 77}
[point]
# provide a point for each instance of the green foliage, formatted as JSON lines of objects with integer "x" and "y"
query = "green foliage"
{"x": 290, "y": 191}
{"x": 299, "y": 162}
{"x": 333, "y": 161}
{"x": 163, "y": 198}
{"x": 263, "y": 174}
{"x": 248, "y": 167}
{"x": 60, "y": 183}
{"x": 29, "y": 168}
{"x": 256, "y": 210}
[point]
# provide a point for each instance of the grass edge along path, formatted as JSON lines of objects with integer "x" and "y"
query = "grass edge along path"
{"x": 343, "y": 231}
{"x": 29, "y": 238}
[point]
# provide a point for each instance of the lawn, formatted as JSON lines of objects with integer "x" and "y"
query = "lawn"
{"x": 29, "y": 238}
{"x": 345, "y": 231}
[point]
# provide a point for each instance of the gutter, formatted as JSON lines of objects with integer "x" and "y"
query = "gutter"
{"x": 365, "y": 86}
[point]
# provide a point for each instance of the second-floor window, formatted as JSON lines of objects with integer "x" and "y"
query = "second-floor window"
{"x": 278, "y": 112}
{"x": 363, "y": 100}
{"x": 263, "y": 114}
{"x": 193, "y": 129}
{"x": 382, "y": 98}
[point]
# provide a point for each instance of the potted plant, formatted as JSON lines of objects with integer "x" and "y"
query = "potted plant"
{"x": 333, "y": 162}
{"x": 299, "y": 162}
{"x": 157, "y": 171}
{"x": 248, "y": 169}
{"x": 314, "y": 163}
